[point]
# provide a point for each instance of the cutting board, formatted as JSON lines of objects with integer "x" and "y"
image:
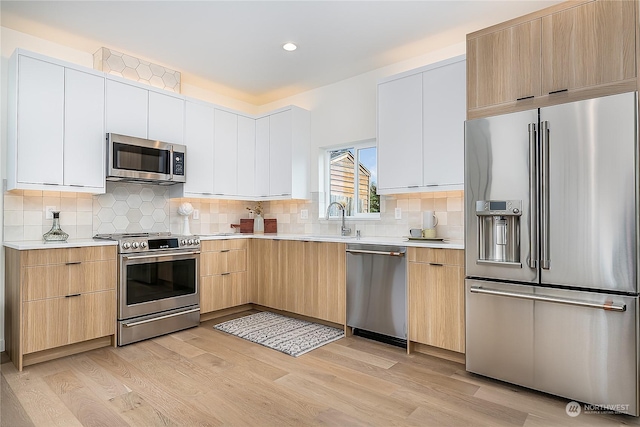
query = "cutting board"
{"x": 246, "y": 226}
{"x": 270, "y": 226}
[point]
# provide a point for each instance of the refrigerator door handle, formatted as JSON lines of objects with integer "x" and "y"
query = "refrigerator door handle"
{"x": 544, "y": 212}
{"x": 533, "y": 197}
{"x": 609, "y": 306}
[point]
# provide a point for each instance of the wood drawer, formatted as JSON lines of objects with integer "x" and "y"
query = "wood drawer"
{"x": 219, "y": 245}
{"x": 50, "y": 281}
{"x": 223, "y": 291}
{"x": 225, "y": 261}
{"x": 438, "y": 256}
{"x": 71, "y": 255}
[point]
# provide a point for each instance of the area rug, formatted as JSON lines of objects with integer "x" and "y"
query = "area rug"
{"x": 291, "y": 336}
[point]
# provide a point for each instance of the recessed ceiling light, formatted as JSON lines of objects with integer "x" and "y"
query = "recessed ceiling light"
{"x": 289, "y": 47}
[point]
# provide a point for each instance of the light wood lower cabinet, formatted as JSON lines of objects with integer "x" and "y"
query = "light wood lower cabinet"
{"x": 436, "y": 298}
{"x": 223, "y": 274}
{"x": 307, "y": 278}
{"x": 56, "y": 298}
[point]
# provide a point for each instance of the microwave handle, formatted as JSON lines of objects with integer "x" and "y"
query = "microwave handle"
{"x": 171, "y": 164}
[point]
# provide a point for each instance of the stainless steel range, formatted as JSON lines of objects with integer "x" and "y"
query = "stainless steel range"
{"x": 158, "y": 290}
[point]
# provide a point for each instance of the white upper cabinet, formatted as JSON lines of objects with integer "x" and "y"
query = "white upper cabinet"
{"x": 56, "y": 135}
{"x": 198, "y": 137}
{"x": 280, "y": 141}
{"x": 225, "y": 153}
{"x": 444, "y": 109}
{"x": 287, "y": 172}
{"x": 127, "y": 109}
{"x": 84, "y": 135}
{"x": 166, "y": 118}
{"x": 421, "y": 117}
{"x": 246, "y": 156}
{"x": 135, "y": 111}
{"x": 262, "y": 157}
{"x": 400, "y": 133}
{"x": 40, "y": 122}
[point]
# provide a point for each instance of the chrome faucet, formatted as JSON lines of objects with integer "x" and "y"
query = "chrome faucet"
{"x": 344, "y": 230}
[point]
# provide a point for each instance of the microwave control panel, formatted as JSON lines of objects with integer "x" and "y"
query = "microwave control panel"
{"x": 178, "y": 163}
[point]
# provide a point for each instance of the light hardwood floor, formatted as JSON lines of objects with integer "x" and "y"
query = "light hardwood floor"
{"x": 202, "y": 377}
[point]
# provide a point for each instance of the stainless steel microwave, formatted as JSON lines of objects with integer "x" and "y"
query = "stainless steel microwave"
{"x": 143, "y": 160}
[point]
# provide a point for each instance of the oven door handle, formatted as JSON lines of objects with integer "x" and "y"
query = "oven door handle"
{"x": 167, "y": 316}
{"x": 159, "y": 255}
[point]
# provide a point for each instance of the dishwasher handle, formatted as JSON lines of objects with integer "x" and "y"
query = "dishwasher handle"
{"x": 365, "y": 251}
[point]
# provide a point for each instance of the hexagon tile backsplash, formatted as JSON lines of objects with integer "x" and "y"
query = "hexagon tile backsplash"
{"x": 130, "y": 208}
{"x": 132, "y": 68}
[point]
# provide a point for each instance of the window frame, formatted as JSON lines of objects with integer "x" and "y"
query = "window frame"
{"x": 356, "y": 146}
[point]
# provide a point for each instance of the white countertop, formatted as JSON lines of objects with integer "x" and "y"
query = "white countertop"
{"x": 399, "y": 241}
{"x": 71, "y": 243}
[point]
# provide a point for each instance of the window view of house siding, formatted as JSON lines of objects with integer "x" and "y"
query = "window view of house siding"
{"x": 360, "y": 198}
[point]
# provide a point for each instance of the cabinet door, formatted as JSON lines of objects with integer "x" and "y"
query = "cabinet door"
{"x": 436, "y": 305}
{"x": 45, "y": 324}
{"x": 198, "y": 136}
{"x": 280, "y": 140}
{"x": 444, "y": 112}
{"x": 225, "y": 153}
{"x": 127, "y": 109}
{"x": 166, "y": 118}
{"x": 262, "y": 157}
{"x": 246, "y": 156}
{"x": 332, "y": 279}
{"x": 400, "y": 133}
{"x": 84, "y": 135}
{"x": 504, "y": 66}
{"x": 308, "y": 293}
{"x": 92, "y": 315}
{"x": 589, "y": 45}
{"x": 40, "y": 122}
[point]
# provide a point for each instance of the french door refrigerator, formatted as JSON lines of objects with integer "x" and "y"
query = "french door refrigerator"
{"x": 551, "y": 248}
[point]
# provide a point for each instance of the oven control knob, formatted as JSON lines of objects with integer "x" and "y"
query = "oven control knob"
{"x": 516, "y": 210}
{"x": 126, "y": 245}
{"x": 143, "y": 245}
{"x": 196, "y": 242}
{"x": 190, "y": 242}
{"x": 183, "y": 242}
{"x": 135, "y": 245}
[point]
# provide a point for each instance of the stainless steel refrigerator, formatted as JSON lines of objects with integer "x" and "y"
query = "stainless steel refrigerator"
{"x": 551, "y": 247}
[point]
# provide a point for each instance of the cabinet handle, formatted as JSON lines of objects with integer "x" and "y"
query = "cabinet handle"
{"x": 225, "y": 250}
{"x": 72, "y": 295}
{"x": 413, "y": 186}
{"x": 558, "y": 91}
{"x": 74, "y": 263}
{"x": 225, "y": 274}
{"x": 524, "y": 97}
{"x": 435, "y": 264}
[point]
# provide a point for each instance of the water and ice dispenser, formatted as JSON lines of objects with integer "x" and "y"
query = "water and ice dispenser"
{"x": 499, "y": 232}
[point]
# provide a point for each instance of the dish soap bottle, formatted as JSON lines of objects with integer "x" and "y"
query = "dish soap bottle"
{"x": 55, "y": 234}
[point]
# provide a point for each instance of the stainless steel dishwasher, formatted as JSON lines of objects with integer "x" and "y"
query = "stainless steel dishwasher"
{"x": 377, "y": 290}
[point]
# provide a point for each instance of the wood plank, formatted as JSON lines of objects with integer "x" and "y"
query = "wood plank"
{"x": 138, "y": 412}
{"x": 11, "y": 410}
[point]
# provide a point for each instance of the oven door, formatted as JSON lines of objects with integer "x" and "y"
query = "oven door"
{"x": 152, "y": 283}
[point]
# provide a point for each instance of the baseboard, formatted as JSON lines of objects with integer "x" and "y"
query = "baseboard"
{"x": 298, "y": 316}
{"x": 224, "y": 312}
{"x": 454, "y": 356}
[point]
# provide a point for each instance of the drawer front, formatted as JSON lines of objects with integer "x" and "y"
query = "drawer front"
{"x": 45, "y": 324}
{"x": 71, "y": 255}
{"x": 223, "y": 291}
{"x": 436, "y": 255}
{"x": 225, "y": 261}
{"x": 92, "y": 276}
{"x": 92, "y": 315}
{"x": 45, "y": 281}
{"x": 219, "y": 245}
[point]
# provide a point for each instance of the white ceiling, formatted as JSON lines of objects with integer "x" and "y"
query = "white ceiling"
{"x": 234, "y": 47}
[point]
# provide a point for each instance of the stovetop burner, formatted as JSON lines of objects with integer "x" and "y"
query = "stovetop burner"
{"x": 119, "y": 236}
